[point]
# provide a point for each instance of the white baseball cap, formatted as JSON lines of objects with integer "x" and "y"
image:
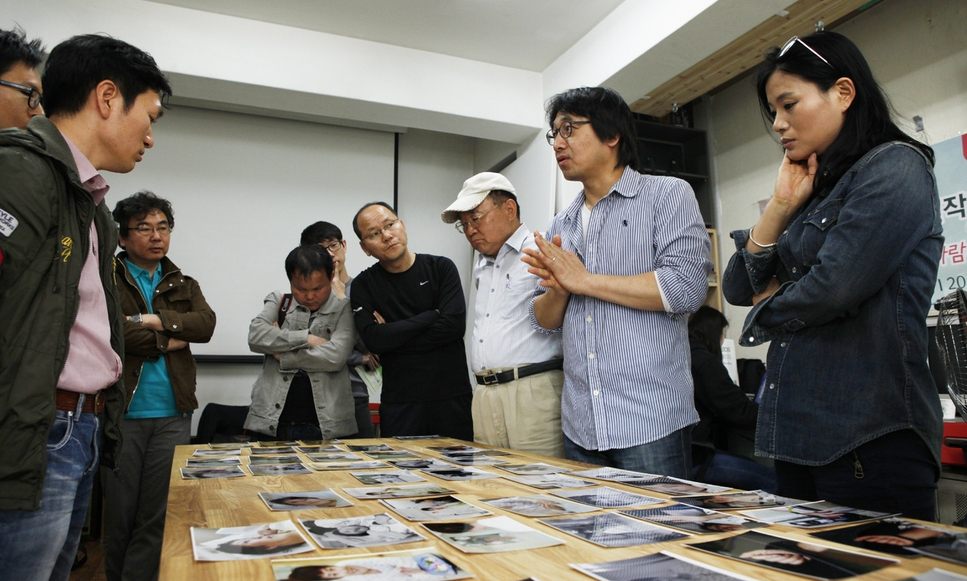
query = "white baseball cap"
{"x": 474, "y": 191}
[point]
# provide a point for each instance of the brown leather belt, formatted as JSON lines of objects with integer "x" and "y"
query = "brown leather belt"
{"x": 67, "y": 401}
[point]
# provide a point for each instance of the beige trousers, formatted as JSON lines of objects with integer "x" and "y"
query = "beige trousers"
{"x": 522, "y": 415}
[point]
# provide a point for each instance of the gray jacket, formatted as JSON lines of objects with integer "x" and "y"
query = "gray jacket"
{"x": 325, "y": 365}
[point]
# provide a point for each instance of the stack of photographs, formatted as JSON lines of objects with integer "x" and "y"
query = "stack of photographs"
{"x": 404, "y": 491}
{"x": 258, "y": 541}
{"x": 402, "y": 565}
{"x": 657, "y": 567}
{"x": 693, "y": 519}
{"x": 738, "y": 500}
{"x": 792, "y": 556}
{"x": 612, "y": 530}
{"x": 812, "y": 515}
{"x": 491, "y": 535}
{"x": 538, "y": 505}
{"x": 373, "y": 530}
{"x": 434, "y": 508}
{"x": 607, "y": 497}
{"x": 902, "y": 537}
{"x": 307, "y": 500}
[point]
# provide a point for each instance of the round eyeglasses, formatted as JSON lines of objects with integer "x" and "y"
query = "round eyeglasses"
{"x": 565, "y": 130}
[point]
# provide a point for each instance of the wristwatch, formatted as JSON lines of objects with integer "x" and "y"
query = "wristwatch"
{"x": 136, "y": 318}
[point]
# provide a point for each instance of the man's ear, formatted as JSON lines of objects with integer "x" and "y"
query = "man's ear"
{"x": 363, "y": 246}
{"x": 107, "y": 97}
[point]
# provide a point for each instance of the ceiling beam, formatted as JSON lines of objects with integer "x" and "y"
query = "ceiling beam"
{"x": 745, "y": 52}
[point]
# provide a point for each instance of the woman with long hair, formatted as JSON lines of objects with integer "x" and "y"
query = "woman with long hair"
{"x": 840, "y": 268}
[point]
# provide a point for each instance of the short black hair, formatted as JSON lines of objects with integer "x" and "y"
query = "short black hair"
{"x": 319, "y": 232}
{"x": 77, "y": 65}
{"x": 307, "y": 259}
{"x": 360, "y": 211}
{"x": 705, "y": 326}
{"x": 15, "y": 48}
{"x": 609, "y": 114}
{"x": 140, "y": 205}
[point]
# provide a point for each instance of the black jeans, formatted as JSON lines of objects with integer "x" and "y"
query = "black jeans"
{"x": 449, "y": 418}
{"x": 893, "y": 473}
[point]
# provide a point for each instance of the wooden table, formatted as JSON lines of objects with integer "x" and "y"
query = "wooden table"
{"x": 229, "y": 502}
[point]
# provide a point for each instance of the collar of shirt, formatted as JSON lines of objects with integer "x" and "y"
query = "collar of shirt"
{"x": 516, "y": 242}
{"x": 626, "y": 186}
{"x": 93, "y": 182}
{"x": 138, "y": 272}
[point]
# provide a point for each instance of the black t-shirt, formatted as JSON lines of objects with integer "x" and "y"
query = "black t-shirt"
{"x": 421, "y": 343}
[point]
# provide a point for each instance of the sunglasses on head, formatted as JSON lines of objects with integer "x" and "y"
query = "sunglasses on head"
{"x": 792, "y": 42}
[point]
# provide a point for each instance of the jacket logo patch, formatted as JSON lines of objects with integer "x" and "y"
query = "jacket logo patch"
{"x": 7, "y": 223}
{"x": 66, "y": 247}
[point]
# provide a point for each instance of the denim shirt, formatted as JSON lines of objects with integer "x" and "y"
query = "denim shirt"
{"x": 847, "y": 361}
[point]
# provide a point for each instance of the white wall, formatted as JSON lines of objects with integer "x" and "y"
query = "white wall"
{"x": 918, "y": 52}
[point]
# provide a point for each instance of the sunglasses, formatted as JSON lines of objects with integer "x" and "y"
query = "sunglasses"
{"x": 792, "y": 42}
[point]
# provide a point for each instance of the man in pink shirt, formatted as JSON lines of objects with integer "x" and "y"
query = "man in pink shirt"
{"x": 60, "y": 322}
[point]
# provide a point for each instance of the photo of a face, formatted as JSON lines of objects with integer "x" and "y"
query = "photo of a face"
{"x": 402, "y": 491}
{"x": 394, "y": 477}
{"x": 434, "y": 508}
{"x": 365, "y": 531}
{"x": 491, "y": 535}
{"x": 612, "y": 530}
{"x": 607, "y": 497}
{"x": 396, "y": 565}
{"x": 538, "y": 505}
{"x": 309, "y": 500}
{"x": 278, "y": 469}
{"x": 693, "y": 519}
{"x": 195, "y": 473}
{"x": 248, "y": 542}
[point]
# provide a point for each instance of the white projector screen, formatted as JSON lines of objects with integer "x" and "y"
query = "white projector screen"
{"x": 242, "y": 188}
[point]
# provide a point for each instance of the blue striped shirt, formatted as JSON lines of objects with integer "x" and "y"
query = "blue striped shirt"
{"x": 626, "y": 371}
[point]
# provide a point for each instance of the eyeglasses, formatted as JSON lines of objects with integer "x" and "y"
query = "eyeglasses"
{"x": 162, "y": 228}
{"x": 566, "y": 129}
{"x": 472, "y": 220}
{"x": 332, "y": 247}
{"x": 33, "y": 95}
{"x": 792, "y": 41}
{"x": 386, "y": 227}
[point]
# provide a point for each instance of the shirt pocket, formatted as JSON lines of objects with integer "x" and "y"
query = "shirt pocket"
{"x": 323, "y": 324}
{"x": 517, "y": 294}
{"x": 816, "y": 228}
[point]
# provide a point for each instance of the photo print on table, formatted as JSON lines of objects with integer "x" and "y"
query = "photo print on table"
{"x": 657, "y": 567}
{"x": 213, "y": 461}
{"x": 402, "y": 491}
{"x": 434, "y": 508}
{"x": 896, "y": 536}
{"x": 308, "y": 500}
{"x": 812, "y": 515}
{"x": 369, "y": 448}
{"x": 195, "y": 473}
{"x": 538, "y": 505}
{"x": 279, "y": 444}
{"x": 793, "y": 556}
{"x": 676, "y": 486}
{"x": 457, "y": 473}
{"x": 394, "y": 477}
{"x": 220, "y": 453}
{"x": 272, "y": 451}
{"x": 491, "y": 535}
{"x": 607, "y": 497}
{"x": 278, "y": 469}
{"x": 612, "y": 474}
{"x": 333, "y": 457}
{"x": 419, "y": 565}
{"x": 612, "y": 530}
{"x": 291, "y": 459}
{"x": 738, "y": 500}
{"x": 532, "y": 469}
{"x": 373, "y": 530}
{"x": 546, "y": 481}
{"x": 360, "y": 465}
{"x": 693, "y": 519}
{"x": 329, "y": 449}
{"x": 258, "y": 541}
{"x": 416, "y": 464}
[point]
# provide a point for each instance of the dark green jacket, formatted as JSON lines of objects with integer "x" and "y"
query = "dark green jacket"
{"x": 45, "y": 220}
{"x": 185, "y": 315}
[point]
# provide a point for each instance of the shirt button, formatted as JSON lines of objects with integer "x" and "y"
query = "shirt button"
{"x": 772, "y": 386}
{"x": 174, "y": 326}
{"x": 794, "y": 269}
{"x": 481, "y": 340}
{"x": 488, "y": 315}
{"x": 589, "y": 319}
{"x": 751, "y": 338}
{"x": 783, "y": 344}
{"x": 596, "y": 392}
{"x": 590, "y": 355}
{"x": 491, "y": 290}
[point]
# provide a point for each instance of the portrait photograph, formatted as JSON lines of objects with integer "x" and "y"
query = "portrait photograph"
{"x": 491, "y": 535}
{"x": 657, "y": 567}
{"x": 607, "y": 497}
{"x": 361, "y": 531}
{"x": 402, "y": 491}
{"x": 394, "y": 477}
{"x": 612, "y": 530}
{"x": 309, "y": 500}
{"x": 434, "y": 508}
{"x": 693, "y": 519}
{"x": 195, "y": 473}
{"x": 403, "y": 565}
{"x": 278, "y": 469}
{"x": 538, "y": 505}
{"x": 258, "y": 541}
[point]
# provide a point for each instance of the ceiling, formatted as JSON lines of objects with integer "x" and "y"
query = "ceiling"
{"x": 522, "y": 34}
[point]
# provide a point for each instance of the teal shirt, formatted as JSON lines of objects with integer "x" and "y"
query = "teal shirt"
{"x": 154, "y": 397}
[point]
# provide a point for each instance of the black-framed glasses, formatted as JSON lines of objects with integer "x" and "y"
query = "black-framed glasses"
{"x": 565, "y": 130}
{"x": 792, "y": 41}
{"x": 332, "y": 247}
{"x": 472, "y": 220}
{"x": 373, "y": 235}
{"x": 162, "y": 228}
{"x": 32, "y": 94}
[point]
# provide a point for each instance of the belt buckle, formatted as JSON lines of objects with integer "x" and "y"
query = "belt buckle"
{"x": 490, "y": 379}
